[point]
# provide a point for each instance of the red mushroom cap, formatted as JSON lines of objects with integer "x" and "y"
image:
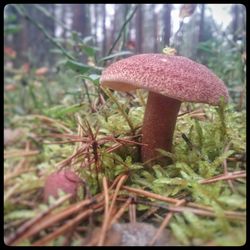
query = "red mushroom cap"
{"x": 174, "y": 76}
{"x": 65, "y": 180}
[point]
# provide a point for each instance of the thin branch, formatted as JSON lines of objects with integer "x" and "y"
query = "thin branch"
{"x": 106, "y": 213}
{"x": 151, "y": 195}
{"x": 26, "y": 226}
{"x": 21, "y": 10}
{"x": 130, "y": 15}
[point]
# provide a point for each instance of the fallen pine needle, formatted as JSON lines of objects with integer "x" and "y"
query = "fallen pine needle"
{"x": 22, "y": 229}
{"x": 165, "y": 223}
{"x": 63, "y": 228}
{"x": 106, "y": 213}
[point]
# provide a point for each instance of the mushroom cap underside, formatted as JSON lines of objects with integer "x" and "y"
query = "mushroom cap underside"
{"x": 174, "y": 76}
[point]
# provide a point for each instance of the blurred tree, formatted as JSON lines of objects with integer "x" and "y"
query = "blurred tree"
{"x": 125, "y": 36}
{"x": 155, "y": 28}
{"x": 167, "y": 23}
{"x": 80, "y": 19}
{"x": 238, "y": 26}
{"x": 21, "y": 40}
{"x": 96, "y": 22}
{"x": 149, "y": 29}
{"x": 63, "y": 18}
{"x": 201, "y": 28}
{"x": 27, "y": 41}
{"x": 235, "y": 22}
{"x": 114, "y": 23}
{"x": 104, "y": 40}
{"x": 139, "y": 28}
{"x": 49, "y": 26}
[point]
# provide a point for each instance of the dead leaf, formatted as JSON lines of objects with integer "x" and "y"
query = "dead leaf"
{"x": 10, "y": 87}
{"x": 26, "y": 68}
{"x": 11, "y": 135}
{"x": 10, "y": 52}
{"x": 41, "y": 71}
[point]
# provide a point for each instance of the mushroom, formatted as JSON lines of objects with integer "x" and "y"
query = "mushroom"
{"x": 64, "y": 180}
{"x": 170, "y": 80}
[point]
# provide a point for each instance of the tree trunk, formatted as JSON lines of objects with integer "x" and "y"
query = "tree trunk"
{"x": 96, "y": 23}
{"x": 167, "y": 23}
{"x": 63, "y": 18}
{"x": 80, "y": 19}
{"x": 201, "y": 28}
{"x": 114, "y": 24}
{"x": 104, "y": 40}
{"x": 139, "y": 29}
{"x": 125, "y": 32}
{"x": 155, "y": 30}
{"x": 235, "y": 12}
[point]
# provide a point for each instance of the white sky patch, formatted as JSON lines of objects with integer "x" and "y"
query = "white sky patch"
{"x": 220, "y": 12}
{"x": 158, "y": 8}
{"x": 110, "y": 9}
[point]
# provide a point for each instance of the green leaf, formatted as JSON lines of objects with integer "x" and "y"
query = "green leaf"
{"x": 179, "y": 233}
{"x": 90, "y": 51}
{"x": 9, "y": 18}
{"x": 78, "y": 67}
{"x": 56, "y": 51}
{"x": 94, "y": 78}
{"x": 87, "y": 39}
{"x": 20, "y": 214}
{"x": 171, "y": 181}
{"x": 121, "y": 53}
{"x": 61, "y": 110}
{"x": 234, "y": 201}
{"x": 166, "y": 153}
{"x": 12, "y": 29}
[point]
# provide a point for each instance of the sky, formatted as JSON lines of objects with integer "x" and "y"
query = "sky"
{"x": 220, "y": 13}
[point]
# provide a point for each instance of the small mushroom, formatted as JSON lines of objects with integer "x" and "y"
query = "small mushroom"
{"x": 64, "y": 180}
{"x": 170, "y": 80}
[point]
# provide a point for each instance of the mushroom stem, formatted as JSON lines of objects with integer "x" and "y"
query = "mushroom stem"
{"x": 159, "y": 124}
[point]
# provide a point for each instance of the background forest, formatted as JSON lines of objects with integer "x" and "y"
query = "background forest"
{"x": 54, "y": 55}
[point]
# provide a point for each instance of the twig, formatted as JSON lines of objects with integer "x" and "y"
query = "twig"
{"x": 63, "y": 228}
{"x": 121, "y": 211}
{"x": 122, "y": 179}
{"x": 22, "y": 229}
{"x": 16, "y": 171}
{"x": 151, "y": 195}
{"x": 47, "y": 119}
{"x": 228, "y": 176}
{"x": 20, "y": 153}
{"x": 53, "y": 218}
{"x": 148, "y": 213}
{"x": 51, "y": 16}
{"x": 132, "y": 210}
{"x": 106, "y": 213}
{"x": 122, "y": 28}
{"x": 21, "y": 10}
{"x": 165, "y": 223}
{"x": 87, "y": 93}
{"x": 203, "y": 212}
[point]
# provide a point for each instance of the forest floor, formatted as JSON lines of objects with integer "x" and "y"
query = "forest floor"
{"x": 199, "y": 199}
